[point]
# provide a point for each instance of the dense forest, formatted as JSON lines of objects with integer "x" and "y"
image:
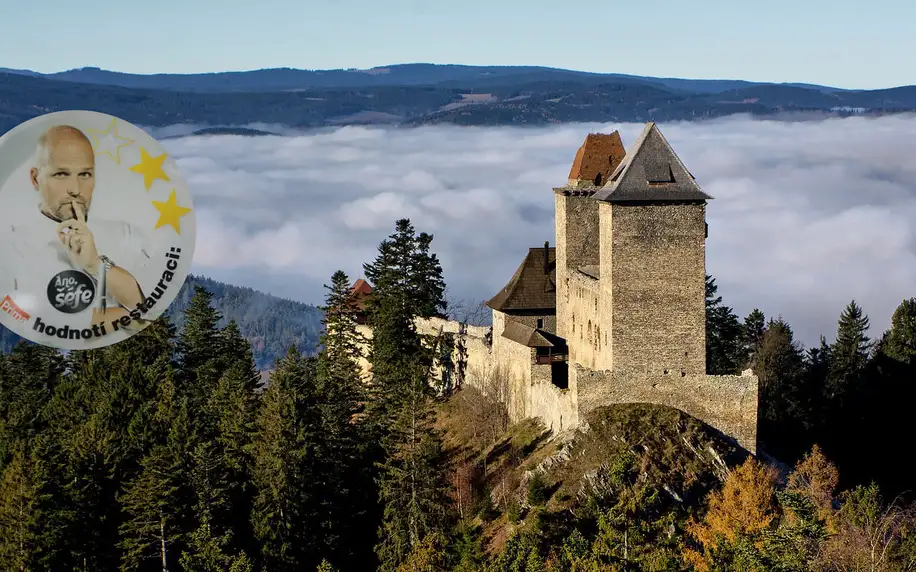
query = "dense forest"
{"x": 166, "y": 452}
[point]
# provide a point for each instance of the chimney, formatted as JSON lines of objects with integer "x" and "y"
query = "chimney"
{"x": 546, "y": 257}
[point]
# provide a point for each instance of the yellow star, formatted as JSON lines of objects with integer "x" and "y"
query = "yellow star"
{"x": 170, "y": 212}
{"x": 150, "y": 168}
{"x": 108, "y": 142}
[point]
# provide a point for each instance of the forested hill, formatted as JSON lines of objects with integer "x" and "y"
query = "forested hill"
{"x": 269, "y": 323}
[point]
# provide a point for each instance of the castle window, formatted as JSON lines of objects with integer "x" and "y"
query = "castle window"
{"x": 659, "y": 174}
{"x": 598, "y": 180}
{"x": 540, "y": 323}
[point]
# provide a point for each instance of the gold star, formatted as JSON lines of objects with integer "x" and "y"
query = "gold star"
{"x": 108, "y": 142}
{"x": 150, "y": 168}
{"x": 170, "y": 212}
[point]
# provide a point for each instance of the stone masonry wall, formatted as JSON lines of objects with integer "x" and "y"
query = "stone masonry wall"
{"x": 657, "y": 277}
{"x": 584, "y": 337}
{"x": 725, "y": 402}
{"x": 474, "y": 360}
{"x": 513, "y": 361}
{"x": 576, "y": 238}
{"x": 555, "y": 407}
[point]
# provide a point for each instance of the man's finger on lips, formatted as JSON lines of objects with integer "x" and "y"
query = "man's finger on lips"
{"x": 78, "y": 211}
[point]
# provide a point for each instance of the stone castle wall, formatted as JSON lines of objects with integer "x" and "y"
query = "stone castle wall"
{"x": 726, "y": 402}
{"x": 654, "y": 270}
{"x": 576, "y": 224}
{"x": 584, "y": 337}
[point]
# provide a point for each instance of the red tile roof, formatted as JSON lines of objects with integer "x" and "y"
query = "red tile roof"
{"x": 597, "y": 158}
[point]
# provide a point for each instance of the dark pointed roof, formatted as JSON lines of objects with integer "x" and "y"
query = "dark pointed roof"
{"x": 651, "y": 171}
{"x": 532, "y": 287}
{"x": 531, "y": 337}
{"x": 596, "y": 159}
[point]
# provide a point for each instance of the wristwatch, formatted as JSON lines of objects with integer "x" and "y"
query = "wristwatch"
{"x": 106, "y": 261}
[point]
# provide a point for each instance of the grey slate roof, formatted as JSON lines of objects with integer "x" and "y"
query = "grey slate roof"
{"x": 651, "y": 171}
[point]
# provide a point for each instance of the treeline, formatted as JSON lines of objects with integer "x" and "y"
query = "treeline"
{"x": 853, "y": 397}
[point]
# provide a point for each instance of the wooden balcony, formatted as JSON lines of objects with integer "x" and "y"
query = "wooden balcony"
{"x": 547, "y": 359}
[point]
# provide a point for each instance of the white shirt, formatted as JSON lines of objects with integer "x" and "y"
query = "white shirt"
{"x": 32, "y": 256}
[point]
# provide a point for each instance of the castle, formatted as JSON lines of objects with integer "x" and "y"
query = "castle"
{"x": 616, "y": 311}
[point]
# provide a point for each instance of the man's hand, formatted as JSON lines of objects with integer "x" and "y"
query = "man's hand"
{"x": 76, "y": 237}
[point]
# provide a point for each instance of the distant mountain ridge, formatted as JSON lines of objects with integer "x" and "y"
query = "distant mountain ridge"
{"x": 269, "y": 323}
{"x": 505, "y": 100}
{"x": 414, "y": 74}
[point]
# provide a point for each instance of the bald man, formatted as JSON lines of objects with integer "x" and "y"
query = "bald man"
{"x": 60, "y": 237}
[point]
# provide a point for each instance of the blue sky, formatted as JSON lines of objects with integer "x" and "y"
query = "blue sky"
{"x": 839, "y": 43}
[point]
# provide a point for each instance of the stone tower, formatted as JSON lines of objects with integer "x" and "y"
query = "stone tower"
{"x": 652, "y": 263}
{"x": 577, "y": 214}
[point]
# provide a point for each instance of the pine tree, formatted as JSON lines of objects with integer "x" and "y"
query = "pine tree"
{"x": 346, "y": 478}
{"x": 725, "y": 352}
{"x": 408, "y": 285}
{"x": 22, "y": 514}
{"x": 849, "y": 354}
{"x": 212, "y": 545}
{"x": 405, "y": 264}
{"x": 285, "y": 511}
{"x": 198, "y": 343}
{"x": 30, "y": 375}
{"x": 158, "y": 502}
{"x": 753, "y": 328}
{"x": 234, "y": 348}
{"x": 816, "y": 371}
{"x": 413, "y": 481}
{"x": 900, "y": 342}
{"x": 783, "y": 410}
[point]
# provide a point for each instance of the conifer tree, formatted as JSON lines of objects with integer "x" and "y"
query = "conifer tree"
{"x": 724, "y": 348}
{"x": 30, "y": 375}
{"x": 900, "y": 342}
{"x": 198, "y": 343}
{"x": 778, "y": 365}
{"x": 407, "y": 281}
{"x": 212, "y": 546}
{"x": 413, "y": 485}
{"x": 347, "y": 490}
{"x": 753, "y": 328}
{"x": 234, "y": 348}
{"x": 408, "y": 285}
{"x": 285, "y": 513}
{"x": 23, "y": 546}
{"x": 158, "y": 502}
{"x": 849, "y": 353}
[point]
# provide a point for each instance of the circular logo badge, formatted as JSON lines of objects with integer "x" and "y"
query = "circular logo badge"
{"x": 71, "y": 292}
{"x": 97, "y": 230}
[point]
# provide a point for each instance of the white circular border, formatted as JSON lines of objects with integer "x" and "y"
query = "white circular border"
{"x": 17, "y": 154}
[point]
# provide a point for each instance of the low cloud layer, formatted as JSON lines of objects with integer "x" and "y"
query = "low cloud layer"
{"x": 807, "y": 215}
